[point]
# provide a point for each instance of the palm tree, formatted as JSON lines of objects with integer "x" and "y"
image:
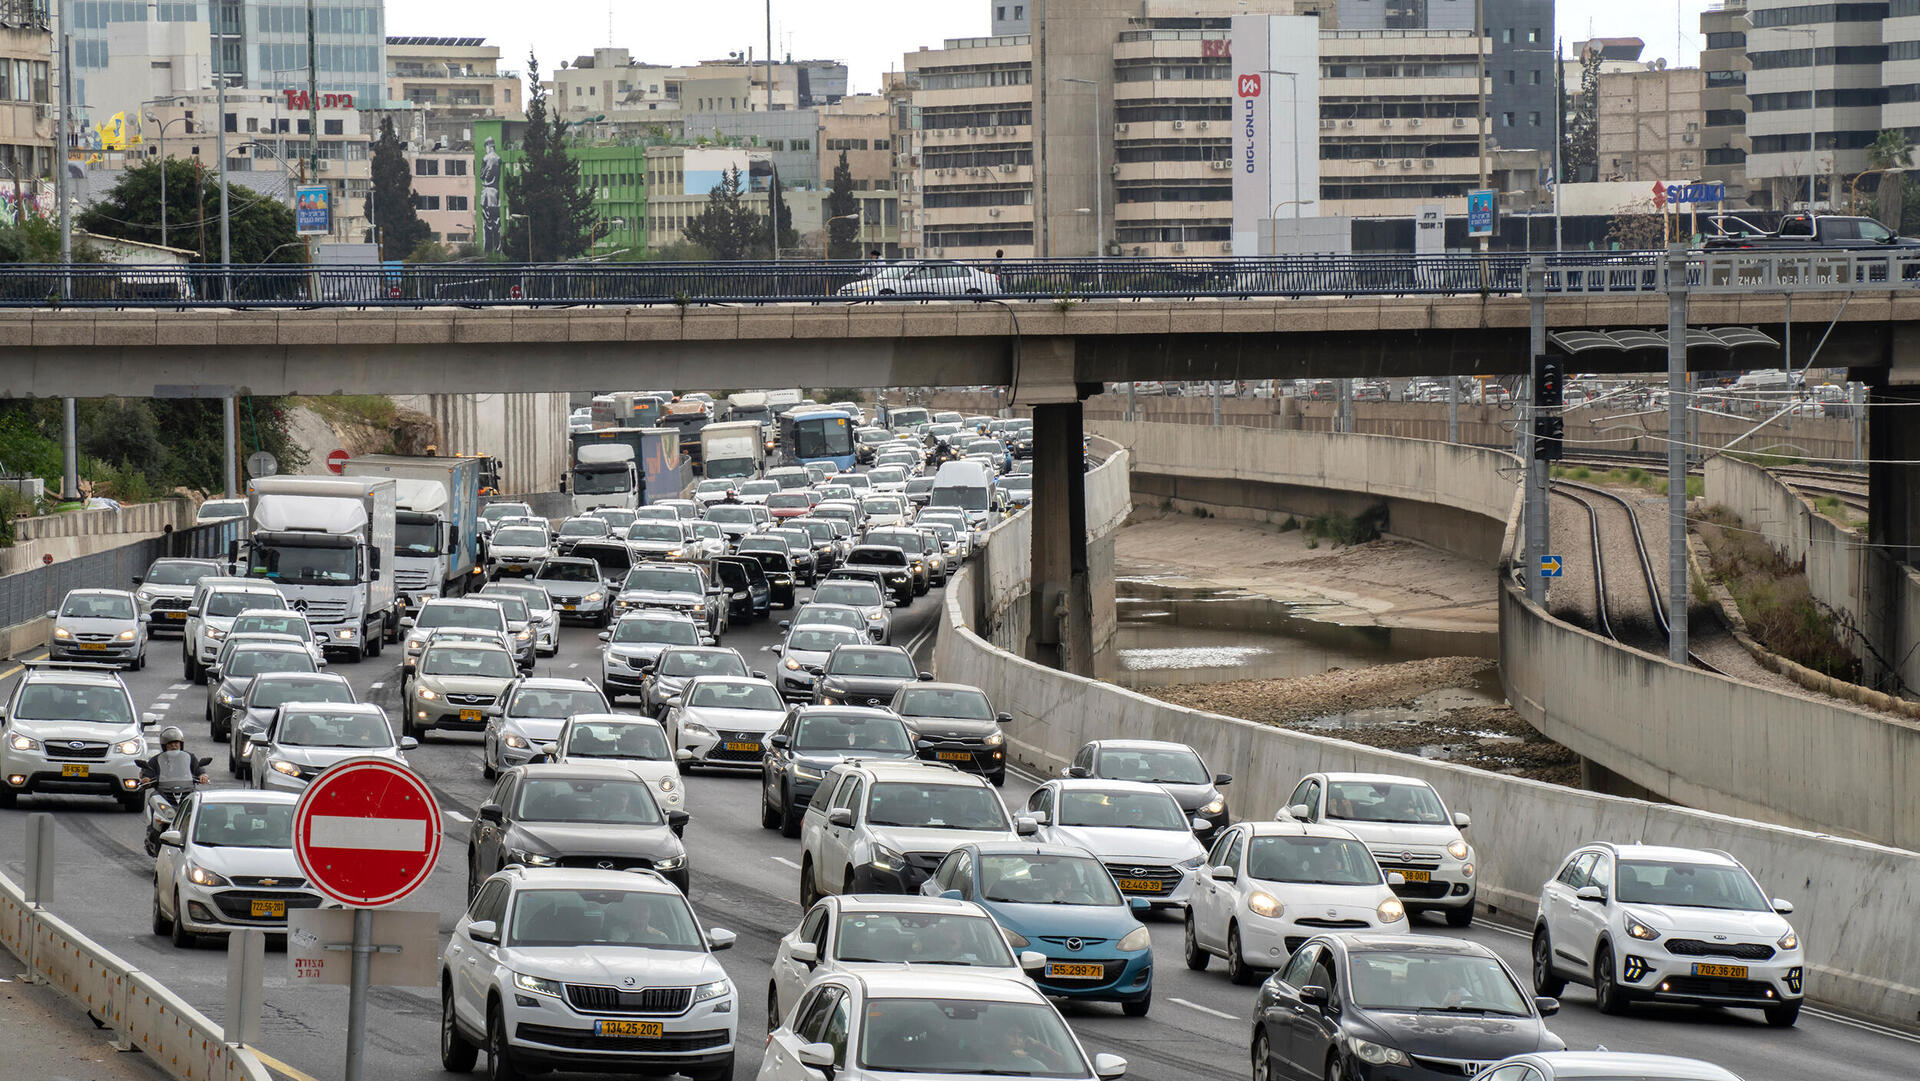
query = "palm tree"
{"x": 1890, "y": 152}
{"x": 1891, "y": 149}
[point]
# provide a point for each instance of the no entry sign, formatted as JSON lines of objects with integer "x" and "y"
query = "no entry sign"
{"x": 367, "y": 832}
{"x": 337, "y": 461}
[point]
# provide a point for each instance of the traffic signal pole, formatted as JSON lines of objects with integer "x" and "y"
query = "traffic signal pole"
{"x": 1542, "y": 434}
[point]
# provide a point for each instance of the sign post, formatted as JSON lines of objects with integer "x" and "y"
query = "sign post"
{"x": 312, "y": 210}
{"x": 366, "y": 834}
{"x": 337, "y": 461}
{"x": 1481, "y": 211}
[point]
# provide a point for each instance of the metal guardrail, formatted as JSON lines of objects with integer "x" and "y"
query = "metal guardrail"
{"x": 28, "y": 594}
{"x": 818, "y": 282}
{"x": 138, "y": 1008}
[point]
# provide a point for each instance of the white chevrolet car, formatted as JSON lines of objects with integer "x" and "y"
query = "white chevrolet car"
{"x": 1135, "y": 828}
{"x": 586, "y": 970}
{"x": 1651, "y": 923}
{"x": 1409, "y": 830}
{"x": 227, "y": 865}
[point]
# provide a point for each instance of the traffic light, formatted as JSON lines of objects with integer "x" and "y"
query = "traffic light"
{"x": 1548, "y": 428}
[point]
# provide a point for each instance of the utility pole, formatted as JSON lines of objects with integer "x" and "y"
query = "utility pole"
{"x": 313, "y": 98}
{"x": 69, "y": 434}
{"x": 1677, "y": 454}
{"x": 1481, "y": 30}
{"x": 1559, "y": 137}
{"x": 220, "y": 148}
{"x": 1539, "y": 479}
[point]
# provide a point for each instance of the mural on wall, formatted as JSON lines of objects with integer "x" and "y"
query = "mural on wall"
{"x": 490, "y": 199}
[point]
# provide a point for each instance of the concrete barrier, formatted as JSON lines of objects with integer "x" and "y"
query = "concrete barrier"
{"x": 84, "y": 532}
{"x": 1854, "y": 897}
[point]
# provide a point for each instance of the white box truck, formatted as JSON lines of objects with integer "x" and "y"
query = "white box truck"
{"x": 732, "y": 449}
{"x": 436, "y": 543}
{"x": 604, "y": 475}
{"x": 327, "y": 543}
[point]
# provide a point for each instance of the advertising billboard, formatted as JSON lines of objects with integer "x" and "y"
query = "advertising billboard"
{"x": 313, "y": 210}
{"x": 1275, "y": 123}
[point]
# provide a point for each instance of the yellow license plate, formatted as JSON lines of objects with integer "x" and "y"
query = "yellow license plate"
{"x": 1060, "y": 970}
{"x": 1141, "y": 885}
{"x": 566, "y": 608}
{"x": 648, "y": 1030}
{"x": 93, "y": 645}
{"x": 173, "y": 615}
{"x": 276, "y": 909}
{"x": 954, "y": 756}
{"x": 1411, "y": 876}
{"x": 73, "y": 771}
{"x": 1726, "y": 972}
{"x": 470, "y": 716}
{"x": 735, "y": 746}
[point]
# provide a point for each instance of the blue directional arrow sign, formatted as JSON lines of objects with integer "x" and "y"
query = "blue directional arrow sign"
{"x": 1552, "y": 566}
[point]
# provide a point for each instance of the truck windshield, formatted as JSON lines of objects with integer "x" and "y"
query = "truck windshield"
{"x": 729, "y": 467}
{"x": 964, "y": 498}
{"x": 601, "y": 482}
{"x": 421, "y": 538}
{"x": 822, "y": 437}
{"x": 304, "y": 566}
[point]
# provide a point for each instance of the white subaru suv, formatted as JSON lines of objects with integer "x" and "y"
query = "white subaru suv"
{"x": 557, "y": 968}
{"x": 1407, "y": 827}
{"x": 1647, "y": 922}
{"x": 71, "y": 728}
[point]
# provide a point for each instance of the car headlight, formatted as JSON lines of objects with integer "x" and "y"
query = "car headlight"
{"x": 62, "y": 632}
{"x": 23, "y": 743}
{"x": 345, "y": 634}
{"x": 591, "y": 598}
{"x": 530, "y": 859}
{"x": 1391, "y": 911}
{"x": 1262, "y": 903}
{"x": 524, "y": 634}
{"x": 994, "y": 739}
{"x": 216, "y": 633}
{"x": 1014, "y": 938}
{"x": 1377, "y": 1054}
{"x": 877, "y": 617}
{"x": 1136, "y": 939}
{"x": 1638, "y": 928}
{"x": 803, "y": 772}
{"x": 697, "y": 731}
{"x": 829, "y": 700}
{"x": 791, "y": 665}
{"x": 200, "y": 876}
{"x": 1458, "y": 850}
{"x": 536, "y": 984}
{"x": 144, "y": 596}
{"x": 665, "y": 783}
{"x": 671, "y": 863}
{"x": 707, "y": 992}
{"x": 229, "y": 699}
{"x": 414, "y": 645}
{"x": 886, "y": 859}
{"x": 128, "y": 746}
{"x": 517, "y": 741}
{"x": 281, "y": 765}
{"x": 1213, "y": 807}
{"x": 1789, "y": 941}
{"x": 427, "y": 694}
{"x": 125, "y": 636}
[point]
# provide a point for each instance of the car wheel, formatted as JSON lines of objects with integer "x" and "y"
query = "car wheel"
{"x": 487, "y": 768}
{"x": 1262, "y": 1058}
{"x": 183, "y": 939}
{"x": 769, "y": 814}
{"x": 161, "y": 924}
{"x": 809, "y": 893}
{"x": 456, "y": 1054}
{"x": 789, "y": 815}
{"x": 233, "y": 758}
{"x": 1460, "y": 917}
{"x": 612, "y": 696}
{"x": 1237, "y": 968}
{"x": 1783, "y": 1015}
{"x": 1545, "y": 982}
{"x": 194, "y": 672}
{"x": 999, "y": 780}
{"x": 500, "y": 1065}
{"x": 1334, "y": 1071}
{"x": 773, "y": 1006}
{"x": 846, "y": 884}
{"x": 1197, "y": 958}
{"x": 719, "y": 1071}
{"x": 1607, "y": 994}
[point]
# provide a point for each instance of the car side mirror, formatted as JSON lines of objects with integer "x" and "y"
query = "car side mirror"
{"x": 1025, "y": 826}
{"x": 785, "y": 624}
{"x": 1461, "y": 821}
{"x": 757, "y": 674}
{"x": 1003, "y": 718}
{"x": 708, "y": 640}
{"x": 406, "y": 624}
{"x": 149, "y": 720}
{"x": 719, "y": 938}
{"x": 1225, "y": 873}
{"x": 1075, "y": 771}
{"x": 891, "y": 603}
{"x": 926, "y": 677}
{"x": 816, "y": 670}
{"x": 1039, "y": 815}
{"x": 51, "y": 614}
{"x": 605, "y": 636}
{"x": 146, "y": 617}
{"x": 541, "y": 759}
{"x": 1222, "y": 780}
{"x": 484, "y": 931}
{"x": 1782, "y": 907}
{"x": 408, "y": 743}
{"x": 677, "y": 820}
{"x": 491, "y": 812}
{"x": 1547, "y": 1006}
{"x": 136, "y": 580}
{"x": 1592, "y": 893}
{"x": 778, "y": 739}
{"x": 172, "y": 838}
{"x": 1315, "y": 995}
{"x": 1140, "y": 905}
{"x": 818, "y": 1056}
{"x": 646, "y": 669}
{"x": 1300, "y": 811}
{"x": 683, "y": 755}
{"x": 1109, "y": 1067}
{"x": 1200, "y": 824}
{"x": 840, "y": 816}
{"x": 806, "y": 953}
{"x": 1395, "y": 878}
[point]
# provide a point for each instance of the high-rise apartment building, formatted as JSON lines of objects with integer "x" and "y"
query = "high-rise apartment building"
{"x": 26, "y": 123}
{"x": 1844, "y": 58}
{"x": 1723, "y": 99}
{"x": 1520, "y": 56}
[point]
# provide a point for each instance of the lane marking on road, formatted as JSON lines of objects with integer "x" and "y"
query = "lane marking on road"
{"x": 21, "y": 667}
{"x": 1513, "y": 931}
{"x": 784, "y": 860}
{"x": 1208, "y": 1010}
{"x": 575, "y": 664}
{"x": 375, "y": 685}
{"x": 167, "y": 697}
{"x": 280, "y": 1067}
{"x": 1865, "y": 1026}
{"x": 178, "y": 686}
{"x": 913, "y": 647}
{"x": 457, "y": 816}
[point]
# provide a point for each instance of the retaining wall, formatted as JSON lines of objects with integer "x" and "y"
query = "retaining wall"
{"x": 1854, "y": 898}
{"x": 84, "y": 532}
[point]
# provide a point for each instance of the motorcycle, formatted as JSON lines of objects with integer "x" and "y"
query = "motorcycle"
{"x": 163, "y": 805}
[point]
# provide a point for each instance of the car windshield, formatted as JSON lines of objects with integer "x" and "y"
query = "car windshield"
{"x": 790, "y": 500}
{"x": 48, "y": 701}
{"x": 615, "y": 517}
{"x": 912, "y": 543}
{"x": 886, "y": 505}
{"x": 513, "y": 608}
{"x": 842, "y": 734}
{"x": 714, "y": 486}
{"x": 817, "y": 532}
{"x": 706, "y": 530}
{"x": 614, "y": 801}
{"x": 654, "y": 921}
{"x": 330, "y": 729}
{"x": 601, "y": 480}
{"x": 1421, "y": 981}
{"x": 1688, "y": 885}
{"x": 1127, "y": 810}
{"x": 857, "y": 594}
{"x": 968, "y": 1037}
{"x": 214, "y": 509}
{"x": 830, "y": 615}
{"x": 735, "y": 696}
{"x": 560, "y": 571}
{"x": 1155, "y": 767}
{"x": 729, "y": 514}
{"x": 585, "y": 527}
{"x": 1323, "y": 861}
{"x": 520, "y": 537}
{"x": 872, "y": 664}
{"x": 935, "y": 806}
{"x": 966, "y": 705}
{"x": 1018, "y": 482}
{"x": 496, "y": 511}
{"x": 924, "y": 938}
{"x": 887, "y": 474}
{"x": 166, "y": 573}
{"x": 535, "y": 599}
{"x": 877, "y": 557}
{"x": 656, "y": 531}
{"x": 556, "y": 703}
{"x": 291, "y": 623}
{"x": 618, "y": 739}
{"x": 269, "y": 691}
{"x": 672, "y": 632}
{"x": 98, "y": 606}
{"x": 663, "y": 580}
{"x": 243, "y": 824}
{"x": 759, "y": 487}
{"x": 821, "y": 639}
{"x": 232, "y": 604}
{"x": 468, "y": 661}
{"x": 477, "y": 616}
{"x": 246, "y": 663}
{"x": 1046, "y": 880}
{"x": 416, "y": 538}
{"x": 688, "y": 663}
{"x": 966, "y": 498}
{"x": 1383, "y": 801}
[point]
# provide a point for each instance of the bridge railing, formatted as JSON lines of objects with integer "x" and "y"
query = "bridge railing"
{"x": 1009, "y": 280}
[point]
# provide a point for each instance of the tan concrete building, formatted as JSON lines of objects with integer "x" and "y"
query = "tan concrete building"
{"x": 443, "y": 194}
{"x": 1723, "y": 98}
{"x": 1399, "y": 121}
{"x": 972, "y": 171}
{"x": 1650, "y": 125}
{"x": 26, "y": 122}
{"x": 447, "y": 83}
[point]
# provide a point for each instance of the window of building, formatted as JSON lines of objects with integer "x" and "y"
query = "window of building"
{"x": 1506, "y": 120}
{"x": 426, "y": 202}
{"x": 1533, "y": 119}
{"x": 253, "y": 123}
{"x": 1019, "y": 11}
{"x": 1509, "y": 74}
{"x": 1533, "y": 77}
{"x": 1000, "y": 13}
{"x": 300, "y": 127}
{"x": 233, "y": 123}
{"x": 456, "y": 167}
{"x": 1533, "y": 35}
{"x": 456, "y": 202}
{"x": 803, "y": 144}
{"x": 426, "y": 167}
{"x": 1506, "y": 35}
{"x": 333, "y": 127}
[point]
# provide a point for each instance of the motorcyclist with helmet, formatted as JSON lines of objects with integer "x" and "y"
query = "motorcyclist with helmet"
{"x": 171, "y": 774}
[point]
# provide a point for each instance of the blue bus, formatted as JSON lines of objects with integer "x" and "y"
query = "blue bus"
{"x": 817, "y": 435}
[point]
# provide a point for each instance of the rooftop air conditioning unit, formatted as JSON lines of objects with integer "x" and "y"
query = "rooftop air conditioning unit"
{"x": 1350, "y": 123}
{"x": 1325, "y": 125}
{"x": 1179, "y": 125}
{"x": 1203, "y": 125}
{"x": 1380, "y": 163}
{"x": 1221, "y": 166}
{"x": 1226, "y": 245}
{"x": 1179, "y": 247}
{"x": 1385, "y": 123}
{"x": 1426, "y": 163}
{"x": 1116, "y": 169}
{"x": 1459, "y": 121}
{"x": 993, "y": 212}
{"x": 1406, "y": 163}
{"x": 1120, "y": 129}
{"x": 1414, "y": 123}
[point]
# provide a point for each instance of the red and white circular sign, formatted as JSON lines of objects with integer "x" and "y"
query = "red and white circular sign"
{"x": 367, "y": 832}
{"x": 337, "y": 461}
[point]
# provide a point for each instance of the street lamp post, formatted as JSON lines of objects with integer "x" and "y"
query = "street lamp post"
{"x": 1293, "y": 102}
{"x": 1813, "y": 97}
{"x": 1099, "y": 180}
{"x": 163, "y": 125}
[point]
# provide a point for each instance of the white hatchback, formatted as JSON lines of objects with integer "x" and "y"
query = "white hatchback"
{"x": 1406, "y": 825}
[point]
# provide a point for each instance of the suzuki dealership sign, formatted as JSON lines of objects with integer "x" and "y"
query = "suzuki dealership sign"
{"x": 1275, "y": 124}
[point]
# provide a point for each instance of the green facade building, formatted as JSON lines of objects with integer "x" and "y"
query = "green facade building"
{"x": 616, "y": 174}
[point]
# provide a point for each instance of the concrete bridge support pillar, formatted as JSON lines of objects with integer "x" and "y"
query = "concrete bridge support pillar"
{"x": 1060, "y": 624}
{"x": 1893, "y": 527}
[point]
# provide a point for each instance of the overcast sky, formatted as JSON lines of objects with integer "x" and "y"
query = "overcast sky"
{"x": 870, "y": 35}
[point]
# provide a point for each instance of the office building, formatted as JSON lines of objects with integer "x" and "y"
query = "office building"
{"x": 1723, "y": 98}
{"x": 1520, "y": 58}
{"x": 1399, "y": 121}
{"x": 1650, "y": 125}
{"x": 1842, "y": 54}
{"x": 26, "y": 121}
{"x": 621, "y": 91}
